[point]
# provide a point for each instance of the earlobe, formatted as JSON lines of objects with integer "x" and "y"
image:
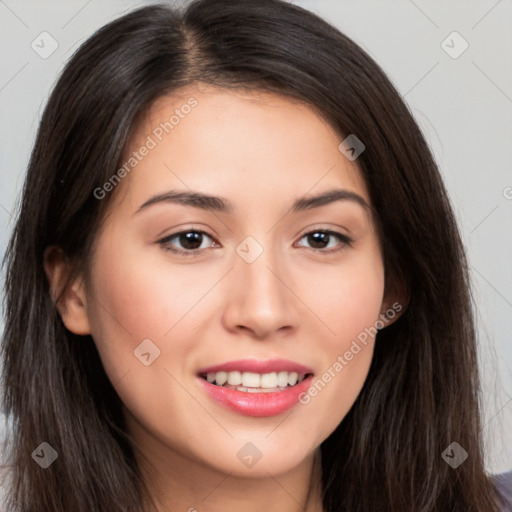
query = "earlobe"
{"x": 68, "y": 295}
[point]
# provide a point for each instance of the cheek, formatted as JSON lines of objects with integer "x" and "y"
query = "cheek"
{"x": 126, "y": 305}
{"x": 141, "y": 297}
{"x": 137, "y": 296}
{"x": 346, "y": 297}
{"x": 348, "y": 300}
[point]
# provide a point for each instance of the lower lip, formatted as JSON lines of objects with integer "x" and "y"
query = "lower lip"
{"x": 257, "y": 404}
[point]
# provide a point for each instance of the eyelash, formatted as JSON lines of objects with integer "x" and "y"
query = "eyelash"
{"x": 164, "y": 242}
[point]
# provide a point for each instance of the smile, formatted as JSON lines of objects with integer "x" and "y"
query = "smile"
{"x": 250, "y": 382}
{"x": 256, "y": 388}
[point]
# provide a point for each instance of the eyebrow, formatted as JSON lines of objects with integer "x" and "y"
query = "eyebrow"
{"x": 223, "y": 205}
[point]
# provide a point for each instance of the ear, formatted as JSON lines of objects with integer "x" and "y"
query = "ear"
{"x": 394, "y": 303}
{"x": 68, "y": 295}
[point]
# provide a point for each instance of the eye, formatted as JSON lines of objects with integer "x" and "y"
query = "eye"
{"x": 323, "y": 240}
{"x": 187, "y": 243}
{"x": 191, "y": 242}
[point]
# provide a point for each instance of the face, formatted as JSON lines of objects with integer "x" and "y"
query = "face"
{"x": 265, "y": 286}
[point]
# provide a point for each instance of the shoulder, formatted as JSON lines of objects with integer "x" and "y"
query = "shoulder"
{"x": 503, "y": 484}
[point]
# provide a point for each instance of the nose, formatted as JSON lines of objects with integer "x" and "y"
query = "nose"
{"x": 259, "y": 298}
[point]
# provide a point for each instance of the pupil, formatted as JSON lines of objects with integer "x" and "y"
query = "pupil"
{"x": 319, "y": 238}
{"x": 188, "y": 240}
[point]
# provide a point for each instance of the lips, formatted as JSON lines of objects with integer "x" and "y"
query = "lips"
{"x": 258, "y": 366}
{"x": 256, "y": 388}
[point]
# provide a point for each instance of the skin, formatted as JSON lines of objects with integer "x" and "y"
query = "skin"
{"x": 296, "y": 301}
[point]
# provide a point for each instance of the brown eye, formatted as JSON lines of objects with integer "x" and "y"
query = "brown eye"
{"x": 185, "y": 242}
{"x": 190, "y": 240}
{"x": 319, "y": 240}
{"x": 326, "y": 241}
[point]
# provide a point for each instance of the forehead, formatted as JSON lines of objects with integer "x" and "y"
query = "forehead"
{"x": 217, "y": 140}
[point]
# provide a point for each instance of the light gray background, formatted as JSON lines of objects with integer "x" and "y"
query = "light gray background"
{"x": 463, "y": 105}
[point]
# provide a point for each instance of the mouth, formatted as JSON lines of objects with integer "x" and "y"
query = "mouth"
{"x": 256, "y": 388}
{"x": 251, "y": 382}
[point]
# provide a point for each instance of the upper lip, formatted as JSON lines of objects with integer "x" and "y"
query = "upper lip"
{"x": 258, "y": 366}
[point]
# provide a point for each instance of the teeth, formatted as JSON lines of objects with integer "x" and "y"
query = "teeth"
{"x": 220, "y": 378}
{"x": 292, "y": 378}
{"x": 234, "y": 378}
{"x": 250, "y": 380}
{"x": 254, "y": 382}
{"x": 269, "y": 380}
{"x": 282, "y": 379}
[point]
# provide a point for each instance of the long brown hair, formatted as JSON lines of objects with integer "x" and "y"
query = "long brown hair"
{"x": 422, "y": 391}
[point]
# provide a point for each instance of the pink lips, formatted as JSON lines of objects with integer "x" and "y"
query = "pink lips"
{"x": 257, "y": 404}
{"x": 257, "y": 366}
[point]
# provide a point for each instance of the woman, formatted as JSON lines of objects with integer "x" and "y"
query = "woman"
{"x": 228, "y": 284}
